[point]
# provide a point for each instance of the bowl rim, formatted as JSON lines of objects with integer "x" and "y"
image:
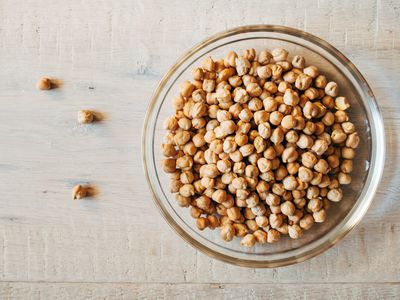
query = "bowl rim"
{"x": 379, "y": 146}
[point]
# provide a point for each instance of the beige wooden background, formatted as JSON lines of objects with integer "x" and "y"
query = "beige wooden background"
{"x": 110, "y": 56}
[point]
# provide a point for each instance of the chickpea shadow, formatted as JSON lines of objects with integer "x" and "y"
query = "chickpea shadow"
{"x": 56, "y": 83}
{"x": 93, "y": 191}
{"x": 99, "y": 116}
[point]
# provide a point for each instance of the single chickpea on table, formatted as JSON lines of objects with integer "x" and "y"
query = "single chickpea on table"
{"x": 259, "y": 145}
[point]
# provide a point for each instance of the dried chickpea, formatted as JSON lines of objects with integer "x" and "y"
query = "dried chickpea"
{"x": 331, "y": 89}
{"x": 227, "y": 232}
{"x": 279, "y": 54}
{"x": 335, "y": 195}
{"x": 273, "y": 236}
{"x": 44, "y": 84}
{"x": 319, "y": 216}
{"x": 298, "y": 62}
{"x": 202, "y": 223}
{"x": 352, "y": 140}
{"x": 311, "y": 71}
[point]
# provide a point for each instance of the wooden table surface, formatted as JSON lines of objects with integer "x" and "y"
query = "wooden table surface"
{"x": 109, "y": 56}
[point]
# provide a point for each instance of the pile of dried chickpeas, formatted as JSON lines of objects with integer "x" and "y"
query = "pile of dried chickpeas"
{"x": 259, "y": 146}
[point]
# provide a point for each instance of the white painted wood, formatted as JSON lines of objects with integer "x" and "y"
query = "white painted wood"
{"x": 110, "y": 56}
{"x": 23, "y": 290}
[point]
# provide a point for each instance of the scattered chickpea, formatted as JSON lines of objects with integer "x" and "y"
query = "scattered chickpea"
{"x": 44, "y": 84}
{"x": 79, "y": 191}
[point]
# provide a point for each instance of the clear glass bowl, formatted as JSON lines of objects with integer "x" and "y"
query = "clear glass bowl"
{"x": 368, "y": 166}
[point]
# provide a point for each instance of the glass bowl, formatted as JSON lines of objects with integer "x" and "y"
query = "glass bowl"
{"x": 368, "y": 164}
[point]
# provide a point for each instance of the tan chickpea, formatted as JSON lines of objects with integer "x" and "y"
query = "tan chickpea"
{"x": 315, "y": 204}
{"x": 288, "y": 208}
{"x": 298, "y": 62}
{"x": 227, "y": 232}
{"x": 209, "y": 170}
{"x": 273, "y": 236}
{"x": 208, "y": 64}
{"x": 288, "y": 122}
{"x": 264, "y": 57}
{"x": 305, "y": 141}
{"x": 311, "y": 93}
{"x": 279, "y": 54}
{"x": 270, "y": 87}
{"x": 207, "y": 182}
{"x": 344, "y": 178}
{"x": 319, "y": 216}
{"x": 183, "y": 201}
{"x": 44, "y": 84}
{"x": 277, "y": 136}
{"x": 277, "y": 71}
{"x": 341, "y": 116}
{"x": 346, "y": 166}
{"x": 260, "y": 144}
{"x": 320, "y": 81}
{"x": 270, "y": 104}
{"x": 331, "y": 89}
{"x": 305, "y": 174}
{"x": 291, "y": 97}
{"x": 260, "y": 236}
{"x": 248, "y": 240}
{"x": 348, "y": 153}
{"x": 246, "y": 115}
{"x": 184, "y": 162}
{"x": 335, "y": 195}
{"x": 311, "y": 71}
{"x": 264, "y": 165}
{"x": 264, "y": 72}
{"x": 187, "y": 177}
{"x": 168, "y": 150}
{"x": 291, "y": 136}
{"x": 290, "y": 77}
{"x": 213, "y": 222}
{"x": 239, "y": 167}
{"x": 208, "y": 85}
{"x": 341, "y": 103}
{"x": 261, "y": 117}
{"x": 290, "y": 183}
{"x": 187, "y": 89}
{"x": 308, "y": 159}
{"x": 338, "y": 136}
{"x": 275, "y": 220}
{"x": 322, "y": 166}
{"x": 230, "y": 59}
{"x": 246, "y": 150}
{"x": 169, "y": 165}
{"x": 242, "y": 65}
{"x": 352, "y": 140}
{"x": 240, "y": 229}
{"x": 319, "y": 147}
{"x": 303, "y": 82}
{"x": 224, "y": 166}
{"x": 178, "y": 102}
{"x": 187, "y": 190}
{"x": 289, "y": 155}
{"x": 306, "y": 222}
{"x": 253, "y": 89}
{"x": 198, "y": 74}
{"x": 348, "y": 127}
{"x": 295, "y": 231}
{"x": 171, "y": 123}
{"x": 280, "y": 173}
{"x": 202, "y": 223}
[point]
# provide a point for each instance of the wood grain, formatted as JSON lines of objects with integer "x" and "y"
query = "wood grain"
{"x": 109, "y": 56}
{"x": 196, "y": 291}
